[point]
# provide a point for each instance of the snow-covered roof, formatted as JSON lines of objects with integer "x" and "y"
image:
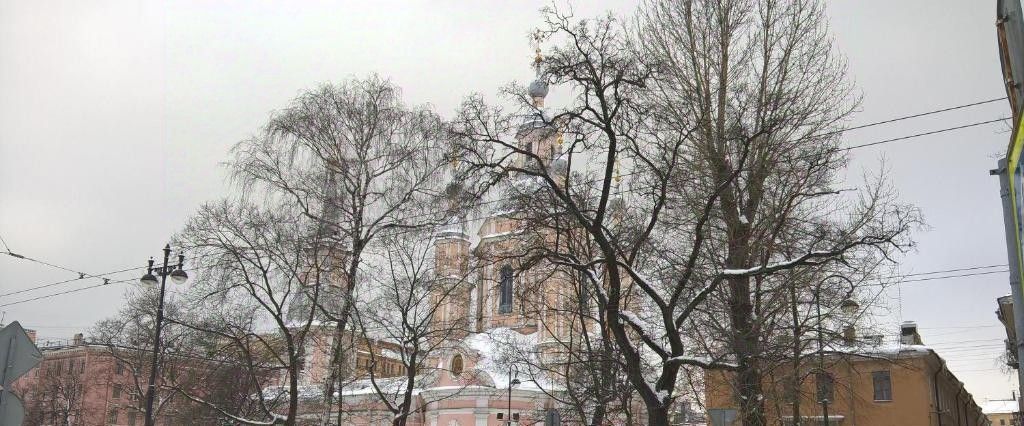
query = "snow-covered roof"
{"x": 455, "y": 228}
{"x": 390, "y": 386}
{"x": 501, "y": 348}
{"x": 999, "y": 406}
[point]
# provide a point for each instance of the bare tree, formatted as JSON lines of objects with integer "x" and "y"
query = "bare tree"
{"x": 355, "y": 160}
{"x": 257, "y": 279}
{"x": 410, "y": 316}
{"x": 764, "y": 96}
{"x": 56, "y": 396}
{"x": 681, "y": 183}
{"x": 128, "y": 338}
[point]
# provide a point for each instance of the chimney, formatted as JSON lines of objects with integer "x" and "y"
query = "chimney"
{"x": 849, "y": 335}
{"x": 79, "y": 339}
{"x": 908, "y": 334}
{"x": 31, "y": 335}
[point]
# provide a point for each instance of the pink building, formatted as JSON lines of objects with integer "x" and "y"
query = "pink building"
{"x": 79, "y": 384}
{"x": 83, "y": 384}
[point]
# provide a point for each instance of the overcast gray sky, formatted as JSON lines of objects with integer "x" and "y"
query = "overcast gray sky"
{"x": 114, "y": 117}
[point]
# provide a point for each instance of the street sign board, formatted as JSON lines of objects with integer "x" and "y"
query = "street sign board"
{"x": 17, "y": 356}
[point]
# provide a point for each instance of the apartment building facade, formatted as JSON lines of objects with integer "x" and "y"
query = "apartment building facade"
{"x": 901, "y": 384}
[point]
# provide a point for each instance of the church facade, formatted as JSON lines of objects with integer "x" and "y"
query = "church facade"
{"x": 511, "y": 319}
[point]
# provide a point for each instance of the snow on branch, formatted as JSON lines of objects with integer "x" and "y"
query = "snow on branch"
{"x": 705, "y": 363}
{"x": 644, "y": 330}
{"x": 276, "y": 419}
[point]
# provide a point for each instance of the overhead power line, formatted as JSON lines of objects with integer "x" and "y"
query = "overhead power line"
{"x": 45, "y": 263}
{"x": 46, "y": 296}
{"x": 103, "y": 276}
{"x": 837, "y": 149}
{"x": 916, "y": 135}
{"x": 103, "y": 284}
{"x": 67, "y": 292}
{"x": 926, "y": 113}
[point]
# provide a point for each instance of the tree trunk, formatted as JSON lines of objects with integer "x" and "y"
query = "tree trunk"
{"x": 657, "y": 415}
{"x": 746, "y": 346}
{"x": 293, "y": 391}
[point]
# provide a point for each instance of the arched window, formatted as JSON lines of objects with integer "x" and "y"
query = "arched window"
{"x": 456, "y": 365}
{"x": 505, "y": 290}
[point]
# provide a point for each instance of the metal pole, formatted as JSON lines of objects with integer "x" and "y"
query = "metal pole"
{"x": 151, "y": 389}
{"x": 821, "y": 356}
{"x": 1013, "y": 256}
{"x": 508, "y": 420}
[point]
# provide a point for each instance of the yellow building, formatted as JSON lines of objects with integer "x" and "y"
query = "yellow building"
{"x": 902, "y": 384}
{"x": 1001, "y": 412}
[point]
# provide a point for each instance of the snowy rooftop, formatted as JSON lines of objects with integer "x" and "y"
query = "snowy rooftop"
{"x": 999, "y": 406}
{"x": 499, "y": 349}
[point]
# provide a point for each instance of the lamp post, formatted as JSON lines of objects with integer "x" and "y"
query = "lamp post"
{"x": 848, "y": 306}
{"x": 178, "y": 276}
{"x": 511, "y": 382}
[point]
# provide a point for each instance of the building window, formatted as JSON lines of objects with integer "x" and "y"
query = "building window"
{"x": 505, "y": 289}
{"x": 457, "y": 364}
{"x": 131, "y": 418}
{"x": 116, "y": 392}
{"x": 112, "y": 417}
{"x": 825, "y": 386}
{"x": 882, "y": 383}
{"x": 119, "y": 369}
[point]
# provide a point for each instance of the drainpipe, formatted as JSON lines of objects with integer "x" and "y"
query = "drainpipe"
{"x": 956, "y": 400}
{"x": 938, "y": 402}
{"x": 1013, "y": 257}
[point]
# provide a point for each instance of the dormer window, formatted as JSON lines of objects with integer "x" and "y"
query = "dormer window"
{"x": 505, "y": 290}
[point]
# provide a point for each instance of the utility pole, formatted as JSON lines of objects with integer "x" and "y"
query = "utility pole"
{"x": 1013, "y": 259}
{"x": 821, "y": 360}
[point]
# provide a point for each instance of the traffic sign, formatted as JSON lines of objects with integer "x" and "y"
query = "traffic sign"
{"x": 17, "y": 356}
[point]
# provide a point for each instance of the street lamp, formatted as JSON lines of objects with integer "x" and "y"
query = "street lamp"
{"x": 511, "y": 382}
{"x": 848, "y": 306}
{"x": 178, "y": 276}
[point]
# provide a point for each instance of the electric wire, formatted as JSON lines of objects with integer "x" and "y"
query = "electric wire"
{"x": 103, "y": 276}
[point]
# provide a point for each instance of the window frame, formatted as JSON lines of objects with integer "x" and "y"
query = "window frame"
{"x": 825, "y": 386}
{"x": 875, "y": 382}
{"x": 506, "y": 281}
